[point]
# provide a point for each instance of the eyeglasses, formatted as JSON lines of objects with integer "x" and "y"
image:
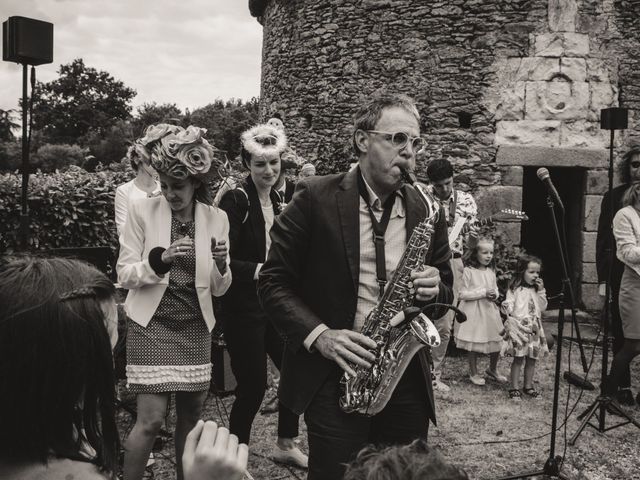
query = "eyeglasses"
{"x": 635, "y": 163}
{"x": 400, "y": 140}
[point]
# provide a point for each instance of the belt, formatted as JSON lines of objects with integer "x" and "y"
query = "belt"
{"x": 457, "y": 255}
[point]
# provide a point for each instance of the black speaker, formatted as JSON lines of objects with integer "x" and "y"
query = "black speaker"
{"x": 27, "y": 41}
{"x": 614, "y": 118}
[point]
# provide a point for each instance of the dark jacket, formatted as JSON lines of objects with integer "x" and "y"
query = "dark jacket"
{"x": 247, "y": 242}
{"x": 605, "y": 243}
{"x": 311, "y": 275}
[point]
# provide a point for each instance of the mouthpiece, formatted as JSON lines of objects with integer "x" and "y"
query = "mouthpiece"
{"x": 542, "y": 173}
{"x": 409, "y": 176}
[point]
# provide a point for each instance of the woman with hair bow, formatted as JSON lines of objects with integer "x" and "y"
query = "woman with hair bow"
{"x": 249, "y": 334}
{"x": 173, "y": 258}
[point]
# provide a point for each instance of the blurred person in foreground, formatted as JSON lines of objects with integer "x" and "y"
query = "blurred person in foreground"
{"x": 415, "y": 461}
{"x": 58, "y": 325}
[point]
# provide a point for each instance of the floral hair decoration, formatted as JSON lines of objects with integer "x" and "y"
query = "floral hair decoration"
{"x": 179, "y": 152}
{"x": 264, "y": 140}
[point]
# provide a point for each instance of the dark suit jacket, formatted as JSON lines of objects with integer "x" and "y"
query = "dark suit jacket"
{"x": 605, "y": 241}
{"x": 247, "y": 243}
{"x": 311, "y": 275}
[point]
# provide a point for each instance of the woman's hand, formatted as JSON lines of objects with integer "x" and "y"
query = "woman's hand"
{"x": 179, "y": 248}
{"x": 220, "y": 251}
{"x": 211, "y": 452}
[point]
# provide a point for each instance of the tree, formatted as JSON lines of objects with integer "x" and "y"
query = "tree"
{"x": 225, "y": 122}
{"x": 151, "y": 113}
{"x": 80, "y": 100}
{"x": 7, "y": 125}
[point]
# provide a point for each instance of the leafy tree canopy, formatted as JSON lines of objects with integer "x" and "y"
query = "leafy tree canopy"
{"x": 7, "y": 125}
{"x": 80, "y": 100}
{"x": 152, "y": 113}
{"x": 225, "y": 121}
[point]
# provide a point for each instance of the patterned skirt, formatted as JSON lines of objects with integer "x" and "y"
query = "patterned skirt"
{"x": 173, "y": 352}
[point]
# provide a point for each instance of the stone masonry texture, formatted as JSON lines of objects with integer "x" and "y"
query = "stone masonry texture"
{"x": 532, "y": 75}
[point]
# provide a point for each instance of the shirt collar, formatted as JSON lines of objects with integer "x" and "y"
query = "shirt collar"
{"x": 398, "y": 206}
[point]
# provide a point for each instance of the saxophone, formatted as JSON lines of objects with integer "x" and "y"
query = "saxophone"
{"x": 399, "y": 330}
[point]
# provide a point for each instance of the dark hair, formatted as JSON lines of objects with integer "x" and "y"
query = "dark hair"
{"x": 246, "y": 157}
{"x": 204, "y": 193}
{"x": 415, "y": 461}
{"x": 625, "y": 163}
{"x": 521, "y": 267}
{"x": 470, "y": 258}
{"x": 56, "y": 368}
{"x": 369, "y": 113}
{"x": 439, "y": 169}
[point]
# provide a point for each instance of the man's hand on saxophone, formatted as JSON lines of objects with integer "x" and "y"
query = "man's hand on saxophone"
{"x": 426, "y": 283}
{"x": 346, "y": 348}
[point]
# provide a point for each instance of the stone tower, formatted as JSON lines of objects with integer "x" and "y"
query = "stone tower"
{"x": 503, "y": 87}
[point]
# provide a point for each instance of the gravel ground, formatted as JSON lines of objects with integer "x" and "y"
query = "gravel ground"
{"x": 479, "y": 428}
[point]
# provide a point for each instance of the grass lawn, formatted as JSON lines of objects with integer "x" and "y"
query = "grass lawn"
{"x": 479, "y": 428}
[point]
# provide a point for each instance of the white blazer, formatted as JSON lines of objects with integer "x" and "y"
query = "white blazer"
{"x": 148, "y": 226}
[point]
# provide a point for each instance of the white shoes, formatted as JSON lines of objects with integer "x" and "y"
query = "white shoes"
{"x": 292, "y": 456}
{"x": 477, "y": 379}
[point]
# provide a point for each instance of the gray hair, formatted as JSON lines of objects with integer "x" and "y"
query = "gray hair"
{"x": 369, "y": 113}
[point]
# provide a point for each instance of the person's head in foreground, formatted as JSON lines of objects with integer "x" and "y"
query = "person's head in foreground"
{"x": 386, "y": 139}
{"x": 415, "y": 461}
{"x": 184, "y": 160}
{"x": 58, "y": 324}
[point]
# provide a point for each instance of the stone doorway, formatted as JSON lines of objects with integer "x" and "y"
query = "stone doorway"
{"x": 537, "y": 235}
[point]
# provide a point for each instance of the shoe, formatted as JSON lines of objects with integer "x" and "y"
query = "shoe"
{"x": 441, "y": 387}
{"x": 292, "y": 456}
{"x": 532, "y": 392}
{"x": 495, "y": 376}
{"x": 625, "y": 397}
{"x": 477, "y": 379}
{"x": 515, "y": 395}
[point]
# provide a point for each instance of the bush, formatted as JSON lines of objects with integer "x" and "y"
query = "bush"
{"x": 68, "y": 209}
{"x": 10, "y": 156}
{"x": 52, "y": 157}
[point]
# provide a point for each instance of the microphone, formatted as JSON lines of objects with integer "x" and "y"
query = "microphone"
{"x": 543, "y": 175}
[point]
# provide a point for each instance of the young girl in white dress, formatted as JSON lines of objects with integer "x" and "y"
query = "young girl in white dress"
{"x": 481, "y": 333}
{"x": 525, "y": 302}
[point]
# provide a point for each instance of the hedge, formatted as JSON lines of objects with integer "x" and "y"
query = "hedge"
{"x": 73, "y": 208}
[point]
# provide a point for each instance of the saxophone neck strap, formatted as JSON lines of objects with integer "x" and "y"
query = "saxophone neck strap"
{"x": 379, "y": 229}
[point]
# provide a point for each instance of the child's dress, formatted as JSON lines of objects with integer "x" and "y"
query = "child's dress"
{"x": 526, "y": 305}
{"x": 482, "y": 331}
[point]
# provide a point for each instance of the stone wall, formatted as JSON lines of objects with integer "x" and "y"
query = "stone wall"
{"x": 530, "y": 75}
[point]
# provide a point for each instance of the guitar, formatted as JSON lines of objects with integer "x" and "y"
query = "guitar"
{"x": 507, "y": 215}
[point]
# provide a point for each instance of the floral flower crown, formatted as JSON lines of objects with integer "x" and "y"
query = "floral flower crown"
{"x": 263, "y": 140}
{"x": 178, "y": 152}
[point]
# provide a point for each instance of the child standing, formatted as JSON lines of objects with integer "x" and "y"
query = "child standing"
{"x": 525, "y": 302}
{"x": 481, "y": 333}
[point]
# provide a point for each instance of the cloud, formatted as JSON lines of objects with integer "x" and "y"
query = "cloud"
{"x": 188, "y": 53}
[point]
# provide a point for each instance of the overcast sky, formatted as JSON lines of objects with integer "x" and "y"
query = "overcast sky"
{"x": 188, "y": 52}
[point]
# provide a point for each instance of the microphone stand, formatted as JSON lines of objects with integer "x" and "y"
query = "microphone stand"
{"x": 552, "y": 465}
{"x": 605, "y": 402}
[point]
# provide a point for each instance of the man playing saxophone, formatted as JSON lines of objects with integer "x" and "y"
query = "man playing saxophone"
{"x": 333, "y": 250}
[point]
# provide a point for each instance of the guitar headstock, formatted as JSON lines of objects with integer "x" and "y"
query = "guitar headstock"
{"x": 509, "y": 215}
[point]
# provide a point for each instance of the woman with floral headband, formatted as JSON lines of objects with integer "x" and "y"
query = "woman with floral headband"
{"x": 173, "y": 258}
{"x": 249, "y": 334}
